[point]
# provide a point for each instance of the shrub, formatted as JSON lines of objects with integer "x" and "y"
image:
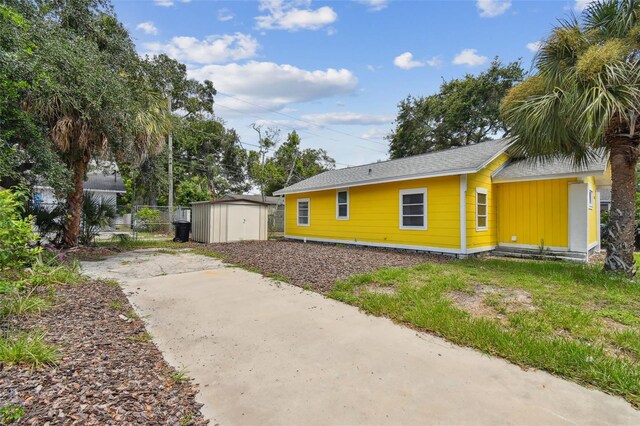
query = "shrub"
{"x": 96, "y": 214}
{"x": 16, "y": 233}
{"x": 149, "y": 219}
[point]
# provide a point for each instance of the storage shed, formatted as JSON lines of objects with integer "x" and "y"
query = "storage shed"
{"x": 225, "y": 221}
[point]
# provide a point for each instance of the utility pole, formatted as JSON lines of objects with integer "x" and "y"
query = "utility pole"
{"x": 170, "y": 151}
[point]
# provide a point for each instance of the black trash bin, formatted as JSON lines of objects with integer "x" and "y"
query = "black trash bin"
{"x": 183, "y": 227}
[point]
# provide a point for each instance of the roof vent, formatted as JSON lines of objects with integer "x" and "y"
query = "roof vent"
{"x": 369, "y": 170}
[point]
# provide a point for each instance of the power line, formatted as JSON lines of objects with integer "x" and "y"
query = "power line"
{"x": 299, "y": 119}
{"x": 300, "y": 130}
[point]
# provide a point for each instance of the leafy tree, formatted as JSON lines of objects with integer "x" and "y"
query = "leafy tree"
{"x": 464, "y": 112}
{"x": 191, "y": 190}
{"x": 290, "y": 164}
{"x": 585, "y": 95}
{"x": 27, "y": 155}
{"x": 89, "y": 87}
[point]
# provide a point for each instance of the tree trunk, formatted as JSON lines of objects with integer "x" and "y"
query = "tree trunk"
{"x": 622, "y": 218}
{"x": 71, "y": 230}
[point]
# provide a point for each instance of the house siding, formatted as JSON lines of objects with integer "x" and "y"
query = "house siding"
{"x": 374, "y": 215}
{"x": 593, "y": 212}
{"x": 536, "y": 212}
{"x": 489, "y": 237}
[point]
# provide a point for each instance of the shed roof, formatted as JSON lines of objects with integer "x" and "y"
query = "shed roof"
{"x": 231, "y": 201}
{"x": 267, "y": 199}
{"x": 528, "y": 169}
{"x": 455, "y": 161}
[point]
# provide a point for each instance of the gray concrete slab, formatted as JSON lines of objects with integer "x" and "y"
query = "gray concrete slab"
{"x": 264, "y": 352}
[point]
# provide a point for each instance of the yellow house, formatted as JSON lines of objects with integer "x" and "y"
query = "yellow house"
{"x": 461, "y": 201}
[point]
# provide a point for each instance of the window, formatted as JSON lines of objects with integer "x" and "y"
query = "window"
{"x": 413, "y": 208}
{"x": 303, "y": 212}
{"x": 342, "y": 205}
{"x": 481, "y": 209}
{"x": 590, "y": 202}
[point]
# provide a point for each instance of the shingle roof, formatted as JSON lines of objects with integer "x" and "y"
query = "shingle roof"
{"x": 468, "y": 159}
{"x": 102, "y": 182}
{"x": 251, "y": 197}
{"x": 527, "y": 169}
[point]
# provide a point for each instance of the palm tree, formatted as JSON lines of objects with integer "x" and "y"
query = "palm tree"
{"x": 584, "y": 96}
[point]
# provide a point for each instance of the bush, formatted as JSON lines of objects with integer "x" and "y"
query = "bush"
{"x": 16, "y": 233}
{"x": 96, "y": 214}
{"x": 149, "y": 219}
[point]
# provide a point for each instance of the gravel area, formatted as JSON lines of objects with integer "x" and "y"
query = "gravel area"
{"x": 314, "y": 264}
{"x": 109, "y": 372}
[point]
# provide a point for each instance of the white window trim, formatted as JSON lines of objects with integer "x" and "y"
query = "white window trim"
{"x": 590, "y": 195}
{"x": 338, "y": 217}
{"x": 302, "y": 200}
{"x": 485, "y": 192}
{"x": 422, "y": 191}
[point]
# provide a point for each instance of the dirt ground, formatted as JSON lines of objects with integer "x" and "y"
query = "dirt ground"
{"x": 316, "y": 265}
{"x": 109, "y": 373}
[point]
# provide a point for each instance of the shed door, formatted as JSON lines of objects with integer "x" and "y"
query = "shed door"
{"x": 243, "y": 223}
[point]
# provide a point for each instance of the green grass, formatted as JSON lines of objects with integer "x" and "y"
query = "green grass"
{"x": 116, "y": 305}
{"x": 207, "y": 252}
{"x": 21, "y": 304}
{"x": 178, "y": 376}
{"x": 141, "y": 338}
{"x": 27, "y": 348}
{"x": 11, "y": 413}
{"x": 186, "y": 419}
{"x": 569, "y": 319}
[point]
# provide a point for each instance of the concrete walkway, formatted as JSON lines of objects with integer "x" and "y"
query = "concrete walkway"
{"x": 269, "y": 353}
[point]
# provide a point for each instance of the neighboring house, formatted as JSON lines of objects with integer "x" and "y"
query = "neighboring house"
{"x": 105, "y": 187}
{"x": 460, "y": 201}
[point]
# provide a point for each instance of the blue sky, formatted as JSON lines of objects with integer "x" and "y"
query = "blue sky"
{"x": 335, "y": 70}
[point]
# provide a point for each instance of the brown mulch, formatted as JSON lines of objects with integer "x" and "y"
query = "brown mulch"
{"x": 103, "y": 376}
{"x": 314, "y": 264}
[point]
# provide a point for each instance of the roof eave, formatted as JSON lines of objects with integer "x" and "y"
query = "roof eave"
{"x": 549, "y": 177}
{"x": 377, "y": 181}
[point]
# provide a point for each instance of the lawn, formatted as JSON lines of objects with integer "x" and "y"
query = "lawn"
{"x": 569, "y": 319}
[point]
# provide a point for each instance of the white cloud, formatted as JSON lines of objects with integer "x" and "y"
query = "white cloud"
{"x": 581, "y": 5}
{"x": 434, "y": 62}
{"x": 406, "y": 62}
{"x": 534, "y": 46}
{"x": 294, "y": 15}
{"x": 225, "y": 15}
{"x": 213, "y": 49}
{"x": 347, "y": 118}
{"x": 147, "y": 27}
{"x": 270, "y": 85}
{"x": 164, "y": 3}
{"x": 491, "y": 8}
{"x": 374, "y": 68}
{"x": 376, "y": 133}
{"x": 470, "y": 58}
{"x": 375, "y": 5}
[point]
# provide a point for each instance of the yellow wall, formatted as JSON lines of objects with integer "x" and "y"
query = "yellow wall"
{"x": 482, "y": 179}
{"x": 534, "y": 211}
{"x": 374, "y": 214}
{"x": 593, "y": 213}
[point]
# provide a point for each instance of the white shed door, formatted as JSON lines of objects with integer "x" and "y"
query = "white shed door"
{"x": 243, "y": 223}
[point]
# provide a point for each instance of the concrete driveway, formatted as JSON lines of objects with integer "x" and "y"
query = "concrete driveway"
{"x": 265, "y": 352}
